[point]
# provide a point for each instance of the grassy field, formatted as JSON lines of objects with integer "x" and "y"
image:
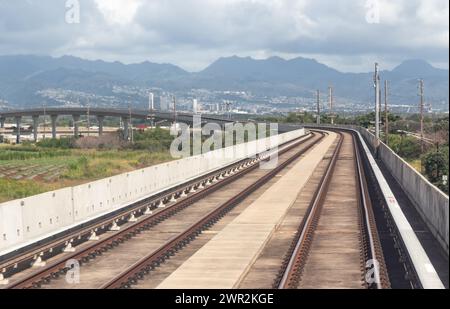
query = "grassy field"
{"x": 27, "y": 170}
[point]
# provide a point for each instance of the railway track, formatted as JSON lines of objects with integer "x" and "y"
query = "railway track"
{"x": 337, "y": 243}
{"x": 142, "y": 267}
{"x": 138, "y": 222}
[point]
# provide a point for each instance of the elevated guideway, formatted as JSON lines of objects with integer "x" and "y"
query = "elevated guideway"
{"x": 327, "y": 187}
{"x": 33, "y": 221}
{"x": 126, "y": 116}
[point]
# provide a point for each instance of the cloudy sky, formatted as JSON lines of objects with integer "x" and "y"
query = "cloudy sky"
{"x": 346, "y": 34}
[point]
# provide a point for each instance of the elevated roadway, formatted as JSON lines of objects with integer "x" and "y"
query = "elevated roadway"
{"x": 125, "y": 115}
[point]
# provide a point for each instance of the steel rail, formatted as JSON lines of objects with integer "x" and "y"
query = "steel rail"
{"x": 59, "y": 267}
{"x": 289, "y": 276}
{"x": 290, "y": 270}
{"x": 155, "y": 258}
{"x": 374, "y": 251}
{"x": 102, "y": 223}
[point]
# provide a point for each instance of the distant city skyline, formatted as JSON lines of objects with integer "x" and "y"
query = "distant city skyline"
{"x": 347, "y": 35}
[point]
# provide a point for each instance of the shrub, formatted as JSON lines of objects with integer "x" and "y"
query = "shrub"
{"x": 155, "y": 140}
{"x": 107, "y": 141}
{"x": 406, "y": 146}
{"x": 436, "y": 166}
{"x": 63, "y": 143}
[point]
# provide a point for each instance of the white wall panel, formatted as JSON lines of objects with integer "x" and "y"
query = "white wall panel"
{"x": 38, "y": 216}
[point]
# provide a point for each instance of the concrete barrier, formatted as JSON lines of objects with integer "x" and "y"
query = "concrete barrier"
{"x": 28, "y": 220}
{"x": 430, "y": 202}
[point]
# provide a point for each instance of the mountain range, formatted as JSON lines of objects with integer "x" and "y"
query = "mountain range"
{"x": 22, "y": 77}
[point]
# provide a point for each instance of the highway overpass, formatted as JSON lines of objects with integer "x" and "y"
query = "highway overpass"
{"x": 125, "y": 115}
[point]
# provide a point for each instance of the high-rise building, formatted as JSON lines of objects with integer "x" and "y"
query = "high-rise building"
{"x": 195, "y": 106}
{"x": 151, "y": 101}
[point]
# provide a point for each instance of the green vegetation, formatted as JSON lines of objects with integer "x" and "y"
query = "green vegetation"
{"x": 62, "y": 143}
{"x": 432, "y": 163}
{"x": 27, "y": 153}
{"x": 406, "y": 147}
{"x": 436, "y": 167}
{"x": 30, "y": 169}
{"x": 13, "y": 189}
{"x": 155, "y": 140}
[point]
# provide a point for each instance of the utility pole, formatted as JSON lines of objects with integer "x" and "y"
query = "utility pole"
{"x": 45, "y": 121}
{"x": 88, "y": 119}
{"x": 151, "y": 106}
{"x": 376, "y": 80}
{"x": 175, "y": 120}
{"x": 330, "y": 98}
{"x": 131, "y": 122}
{"x": 386, "y": 120}
{"x": 421, "y": 107}
{"x": 318, "y": 107}
{"x": 436, "y": 142}
{"x": 380, "y": 107}
{"x": 228, "y": 108}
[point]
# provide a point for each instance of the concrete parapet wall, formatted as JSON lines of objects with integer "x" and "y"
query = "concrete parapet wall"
{"x": 430, "y": 202}
{"x": 27, "y": 220}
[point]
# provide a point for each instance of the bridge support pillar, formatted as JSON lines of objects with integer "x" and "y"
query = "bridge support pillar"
{"x": 18, "y": 124}
{"x": 35, "y": 128}
{"x": 100, "y": 120}
{"x": 54, "y": 118}
{"x": 76, "y": 125}
{"x": 2, "y": 122}
{"x": 126, "y": 125}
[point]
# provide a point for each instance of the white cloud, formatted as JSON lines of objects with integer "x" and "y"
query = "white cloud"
{"x": 434, "y": 13}
{"x": 192, "y": 33}
{"x": 120, "y": 12}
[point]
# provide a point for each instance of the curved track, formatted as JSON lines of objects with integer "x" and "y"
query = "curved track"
{"x": 337, "y": 243}
{"x": 102, "y": 238}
